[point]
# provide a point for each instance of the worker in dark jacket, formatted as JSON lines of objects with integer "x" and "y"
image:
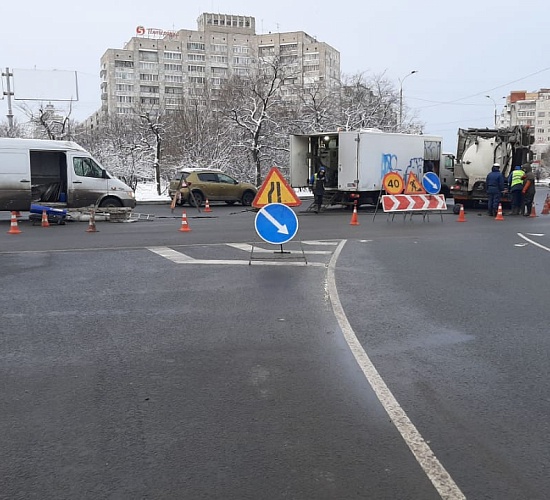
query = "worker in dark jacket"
{"x": 516, "y": 185}
{"x": 528, "y": 190}
{"x": 495, "y": 186}
{"x": 319, "y": 187}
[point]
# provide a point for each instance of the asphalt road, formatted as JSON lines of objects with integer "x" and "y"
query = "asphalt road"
{"x": 406, "y": 359}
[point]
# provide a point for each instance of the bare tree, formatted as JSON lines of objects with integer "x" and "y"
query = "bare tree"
{"x": 250, "y": 101}
{"x": 16, "y": 130}
{"x": 48, "y": 123}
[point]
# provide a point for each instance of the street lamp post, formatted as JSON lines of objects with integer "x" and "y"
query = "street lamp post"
{"x": 401, "y": 80}
{"x": 495, "y": 104}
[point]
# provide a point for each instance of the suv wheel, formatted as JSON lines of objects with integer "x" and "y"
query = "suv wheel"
{"x": 196, "y": 199}
{"x": 248, "y": 198}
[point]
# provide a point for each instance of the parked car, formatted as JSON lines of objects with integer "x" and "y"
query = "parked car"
{"x": 196, "y": 185}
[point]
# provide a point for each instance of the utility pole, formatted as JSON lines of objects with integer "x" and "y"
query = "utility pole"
{"x": 495, "y": 104}
{"x": 401, "y": 80}
{"x": 9, "y": 93}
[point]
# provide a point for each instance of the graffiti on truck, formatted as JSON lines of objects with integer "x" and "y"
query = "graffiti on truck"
{"x": 390, "y": 164}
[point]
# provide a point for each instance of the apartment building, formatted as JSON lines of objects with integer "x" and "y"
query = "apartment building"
{"x": 531, "y": 109}
{"x": 158, "y": 69}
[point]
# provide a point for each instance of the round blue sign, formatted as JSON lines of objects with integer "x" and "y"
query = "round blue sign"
{"x": 276, "y": 223}
{"x": 431, "y": 183}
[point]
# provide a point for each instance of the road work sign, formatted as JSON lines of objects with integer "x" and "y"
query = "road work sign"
{"x": 275, "y": 189}
{"x": 276, "y": 223}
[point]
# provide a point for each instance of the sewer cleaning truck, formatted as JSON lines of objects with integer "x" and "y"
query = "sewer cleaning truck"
{"x": 478, "y": 149}
{"x": 357, "y": 161}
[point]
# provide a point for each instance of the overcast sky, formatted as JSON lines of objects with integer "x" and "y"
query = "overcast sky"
{"x": 462, "y": 50}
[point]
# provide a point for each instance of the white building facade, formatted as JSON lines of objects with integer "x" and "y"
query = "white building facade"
{"x": 531, "y": 109}
{"x": 158, "y": 69}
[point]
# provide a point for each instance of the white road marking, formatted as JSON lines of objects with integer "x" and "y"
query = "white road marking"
{"x": 248, "y": 248}
{"x": 320, "y": 243}
{"x": 533, "y": 242}
{"x": 181, "y": 258}
{"x": 170, "y": 254}
{"x": 437, "y": 474}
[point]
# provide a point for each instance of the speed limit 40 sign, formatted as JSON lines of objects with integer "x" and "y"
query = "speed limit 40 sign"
{"x": 393, "y": 183}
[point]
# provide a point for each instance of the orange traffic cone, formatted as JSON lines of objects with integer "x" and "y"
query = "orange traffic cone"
{"x": 14, "y": 228}
{"x": 533, "y": 212}
{"x": 546, "y": 207}
{"x": 499, "y": 213}
{"x": 207, "y": 206}
{"x": 91, "y": 223}
{"x": 45, "y": 221}
{"x": 461, "y": 216}
{"x": 354, "y": 221}
{"x": 184, "y": 226}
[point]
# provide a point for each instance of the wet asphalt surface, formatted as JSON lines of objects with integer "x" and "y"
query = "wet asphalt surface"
{"x": 128, "y": 374}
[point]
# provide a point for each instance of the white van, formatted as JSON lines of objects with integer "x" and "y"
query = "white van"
{"x": 58, "y": 174}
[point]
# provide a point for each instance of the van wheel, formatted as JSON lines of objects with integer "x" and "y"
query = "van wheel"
{"x": 110, "y": 203}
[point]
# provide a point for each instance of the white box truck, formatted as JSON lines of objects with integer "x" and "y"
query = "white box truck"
{"x": 356, "y": 161}
{"x": 56, "y": 174}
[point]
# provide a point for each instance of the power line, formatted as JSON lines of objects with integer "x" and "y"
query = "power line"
{"x": 484, "y": 92}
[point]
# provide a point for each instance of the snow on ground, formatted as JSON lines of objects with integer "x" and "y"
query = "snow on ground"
{"x": 148, "y": 192}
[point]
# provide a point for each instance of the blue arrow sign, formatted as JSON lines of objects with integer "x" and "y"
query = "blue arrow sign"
{"x": 276, "y": 223}
{"x": 431, "y": 183}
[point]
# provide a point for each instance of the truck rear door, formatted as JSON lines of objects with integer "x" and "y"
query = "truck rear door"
{"x": 299, "y": 160}
{"x": 348, "y": 161}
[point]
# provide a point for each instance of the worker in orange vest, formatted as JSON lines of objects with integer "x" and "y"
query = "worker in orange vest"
{"x": 528, "y": 190}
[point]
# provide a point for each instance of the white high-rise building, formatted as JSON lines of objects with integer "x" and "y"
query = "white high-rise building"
{"x": 158, "y": 69}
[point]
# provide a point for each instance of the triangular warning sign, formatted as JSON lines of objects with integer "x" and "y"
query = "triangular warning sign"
{"x": 414, "y": 186}
{"x": 275, "y": 189}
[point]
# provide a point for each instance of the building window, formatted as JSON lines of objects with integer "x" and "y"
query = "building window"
{"x": 265, "y": 51}
{"x": 173, "y": 90}
{"x": 195, "y": 69}
{"x": 241, "y": 61}
{"x": 173, "y": 78}
{"x": 147, "y": 77}
{"x": 172, "y": 55}
{"x": 196, "y": 79}
{"x": 148, "y": 55}
{"x": 148, "y": 65}
{"x": 124, "y": 64}
{"x": 124, "y": 98}
{"x": 124, "y": 87}
{"x": 219, "y": 59}
{"x": 196, "y": 57}
{"x": 149, "y": 89}
{"x": 172, "y": 67}
{"x": 121, "y": 75}
{"x": 216, "y": 47}
{"x": 240, "y": 49}
{"x": 289, "y": 47}
{"x": 150, "y": 100}
{"x": 195, "y": 46}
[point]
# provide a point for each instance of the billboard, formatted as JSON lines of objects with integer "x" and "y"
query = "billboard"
{"x": 44, "y": 85}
